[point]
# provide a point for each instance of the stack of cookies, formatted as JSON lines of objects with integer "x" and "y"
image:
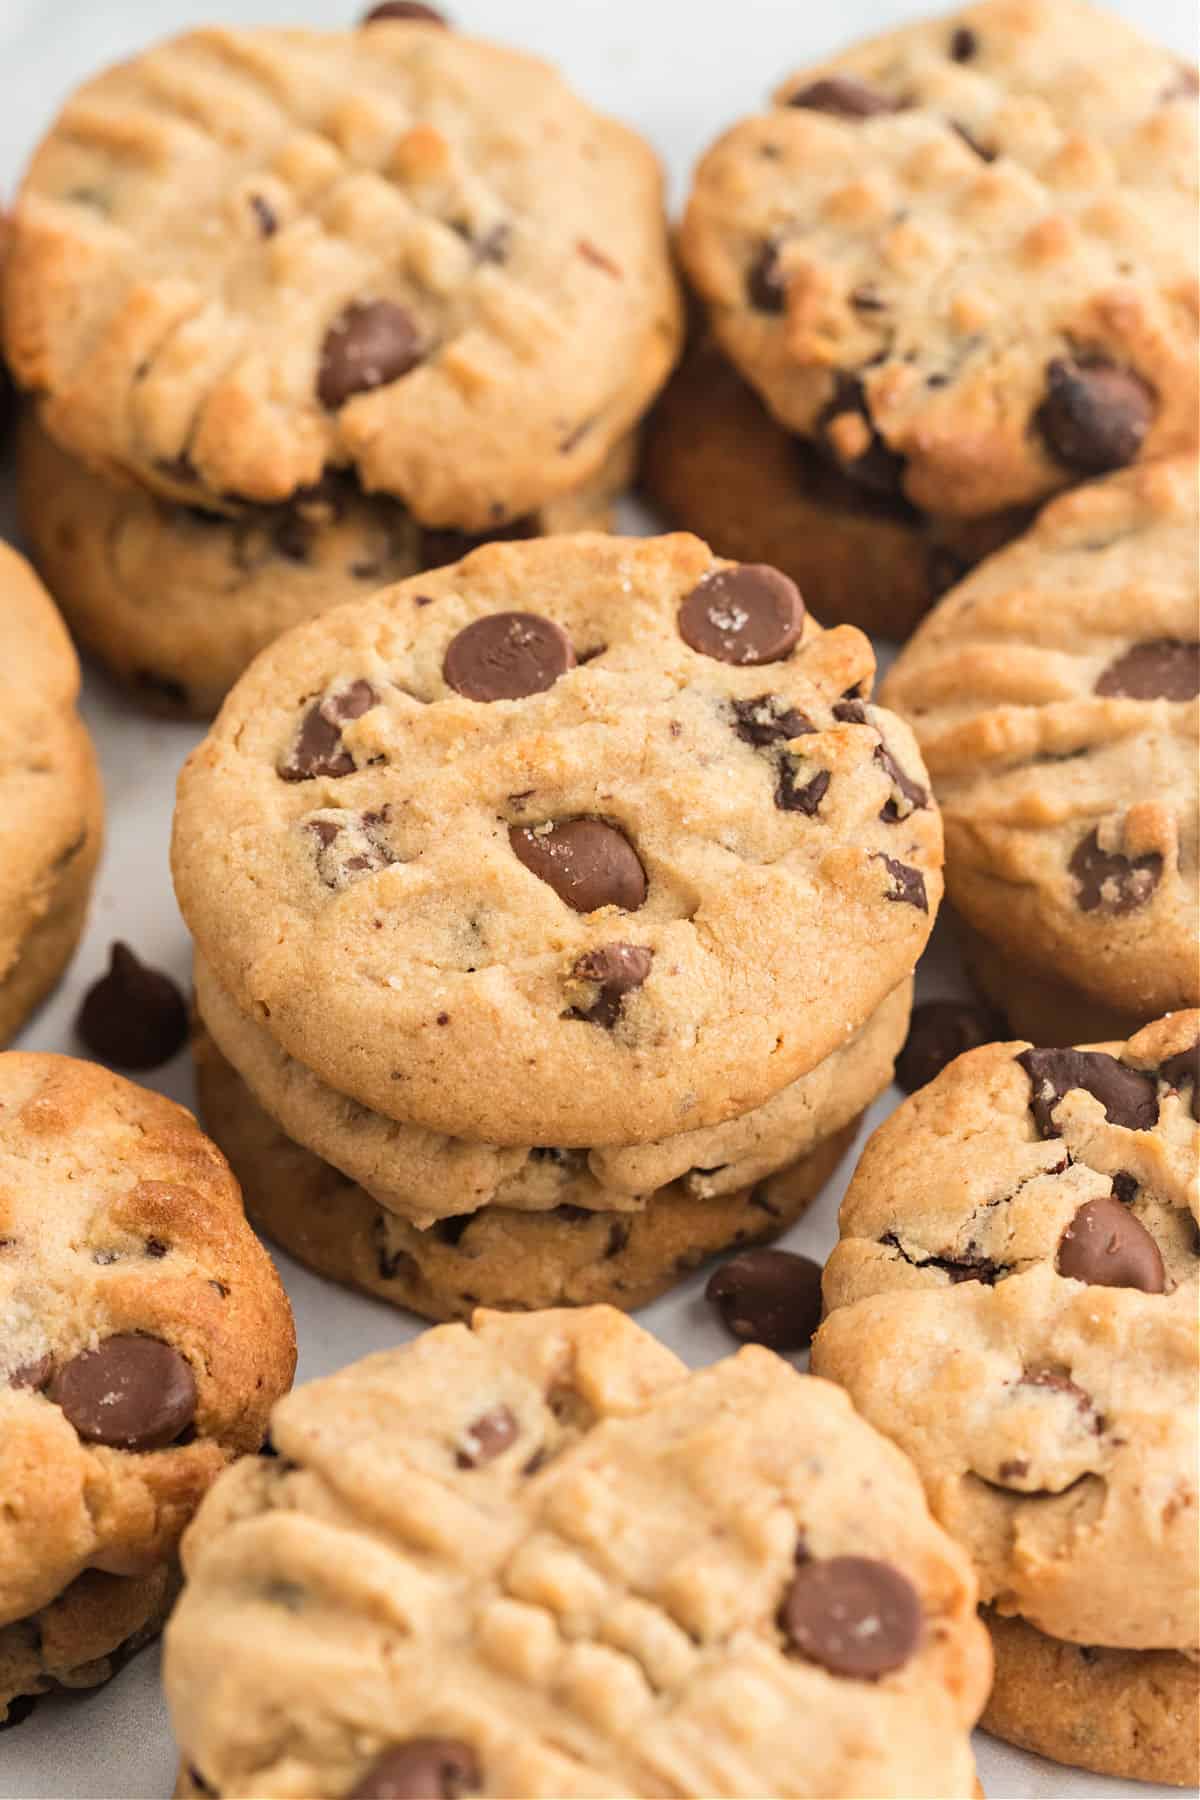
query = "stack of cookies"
{"x": 305, "y": 312}
{"x": 555, "y": 919}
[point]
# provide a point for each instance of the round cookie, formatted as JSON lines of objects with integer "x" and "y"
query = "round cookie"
{"x": 177, "y": 602}
{"x": 961, "y": 255}
{"x": 51, "y": 806}
{"x": 659, "y": 886}
{"x": 1054, "y": 697}
{"x": 422, "y": 1175}
{"x": 246, "y": 257}
{"x": 144, "y": 1336}
{"x": 1021, "y": 1237}
{"x": 718, "y": 464}
{"x": 545, "y": 1559}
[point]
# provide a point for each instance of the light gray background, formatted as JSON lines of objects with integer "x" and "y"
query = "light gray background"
{"x": 679, "y": 72}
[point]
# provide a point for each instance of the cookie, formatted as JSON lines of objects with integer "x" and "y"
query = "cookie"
{"x": 176, "y": 601}
{"x": 539, "y": 1557}
{"x": 718, "y": 464}
{"x": 244, "y": 258}
{"x": 1054, "y": 697}
{"x": 601, "y": 873}
{"x": 144, "y": 1336}
{"x": 961, "y": 255}
{"x": 51, "y": 807}
{"x": 1021, "y": 1238}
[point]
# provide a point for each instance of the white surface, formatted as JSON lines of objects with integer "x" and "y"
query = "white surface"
{"x": 679, "y": 72}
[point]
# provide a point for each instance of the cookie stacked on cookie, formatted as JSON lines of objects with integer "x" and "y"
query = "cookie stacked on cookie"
{"x": 302, "y": 312}
{"x": 957, "y": 262}
{"x": 555, "y": 917}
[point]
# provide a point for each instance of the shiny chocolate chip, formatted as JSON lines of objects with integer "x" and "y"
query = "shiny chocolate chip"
{"x": 907, "y": 795}
{"x": 768, "y": 720}
{"x": 1159, "y": 669}
{"x": 134, "y": 1017}
{"x": 941, "y": 1030}
{"x": 588, "y": 863}
{"x": 747, "y": 613}
{"x": 318, "y": 749}
{"x": 372, "y": 343}
{"x": 853, "y": 1615}
{"x": 845, "y": 96}
{"x": 616, "y": 970}
{"x": 770, "y": 1297}
{"x": 1128, "y": 1096}
{"x": 1094, "y": 416}
{"x": 130, "y": 1393}
{"x": 1107, "y": 1246}
{"x": 486, "y": 1437}
{"x": 1106, "y": 881}
{"x": 506, "y": 656}
{"x": 425, "y": 1768}
{"x": 795, "y": 794}
{"x": 907, "y": 885}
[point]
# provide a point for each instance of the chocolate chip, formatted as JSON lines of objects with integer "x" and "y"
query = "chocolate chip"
{"x": 1095, "y": 416}
{"x": 1106, "y": 1246}
{"x": 907, "y": 795}
{"x": 1107, "y": 881}
{"x": 487, "y": 1436}
{"x": 766, "y": 288}
{"x": 770, "y": 1297}
{"x": 941, "y": 1030}
{"x": 844, "y": 96}
{"x": 746, "y": 613}
{"x": 264, "y": 214}
{"x": 34, "y": 1375}
{"x": 617, "y": 970}
{"x": 853, "y": 1615}
{"x": 878, "y": 468}
{"x": 768, "y": 720}
{"x": 588, "y": 863}
{"x": 426, "y": 1768}
{"x": 132, "y": 1393}
{"x": 1058, "y": 1382}
{"x": 506, "y": 656}
{"x": 972, "y": 142}
{"x": 1125, "y": 1187}
{"x": 1159, "y": 669}
{"x": 318, "y": 749}
{"x": 963, "y": 44}
{"x": 851, "y": 712}
{"x": 1127, "y": 1095}
{"x": 133, "y": 1017}
{"x": 370, "y": 344}
{"x": 1183, "y": 1070}
{"x": 908, "y": 885}
{"x": 958, "y": 1268}
{"x": 792, "y": 795}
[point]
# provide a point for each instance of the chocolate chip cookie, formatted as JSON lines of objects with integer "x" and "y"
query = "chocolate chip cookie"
{"x": 1021, "y": 1238}
{"x": 1054, "y": 697}
{"x": 51, "y": 807}
{"x": 144, "y": 1336}
{"x": 960, "y": 257}
{"x": 244, "y": 258}
{"x": 717, "y": 463}
{"x": 582, "y": 841}
{"x": 177, "y": 601}
{"x": 539, "y": 1557}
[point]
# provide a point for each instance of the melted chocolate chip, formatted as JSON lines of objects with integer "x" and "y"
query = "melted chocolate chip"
{"x": 794, "y": 795}
{"x": 769, "y": 720}
{"x": 506, "y": 656}
{"x": 1159, "y": 669}
{"x": 766, "y": 287}
{"x": 487, "y": 1436}
{"x": 941, "y": 1030}
{"x": 1095, "y": 416}
{"x": 851, "y": 712}
{"x": 131, "y": 1393}
{"x": 853, "y": 1615}
{"x": 372, "y": 343}
{"x": 1106, "y": 1246}
{"x": 617, "y": 970}
{"x": 878, "y": 468}
{"x": 318, "y": 749}
{"x": 747, "y": 613}
{"x": 1127, "y": 1095}
{"x": 960, "y": 1268}
{"x": 907, "y": 795}
{"x": 425, "y": 1768}
{"x": 1109, "y": 882}
{"x": 908, "y": 885}
{"x": 770, "y": 1297}
{"x": 1183, "y": 1070}
{"x": 844, "y": 96}
{"x": 134, "y": 1017}
{"x": 588, "y": 863}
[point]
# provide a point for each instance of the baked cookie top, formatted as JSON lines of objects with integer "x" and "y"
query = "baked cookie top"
{"x": 1054, "y": 697}
{"x": 144, "y": 1333}
{"x": 1013, "y": 1301}
{"x": 963, "y": 255}
{"x": 579, "y": 841}
{"x": 246, "y": 256}
{"x": 557, "y": 1563}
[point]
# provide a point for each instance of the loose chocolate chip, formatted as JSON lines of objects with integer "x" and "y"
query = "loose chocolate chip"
{"x": 766, "y": 288}
{"x": 963, "y": 44}
{"x": 617, "y": 970}
{"x": 845, "y": 96}
{"x": 940, "y": 1031}
{"x": 769, "y": 720}
{"x": 506, "y": 656}
{"x": 132, "y": 1393}
{"x": 588, "y": 864}
{"x": 1183, "y": 1070}
{"x": 1106, "y": 1246}
{"x": 1107, "y": 881}
{"x": 878, "y": 468}
{"x": 791, "y": 795}
{"x": 422, "y": 1769}
{"x": 1159, "y": 669}
{"x": 133, "y": 1017}
{"x": 264, "y": 214}
{"x": 370, "y": 344}
{"x": 487, "y": 1436}
{"x": 770, "y": 1297}
{"x": 1127, "y": 1095}
{"x": 853, "y": 1615}
{"x": 1095, "y": 416}
{"x": 907, "y": 795}
{"x": 35, "y": 1374}
{"x": 746, "y": 613}
{"x": 908, "y": 885}
{"x": 318, "y": 749}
